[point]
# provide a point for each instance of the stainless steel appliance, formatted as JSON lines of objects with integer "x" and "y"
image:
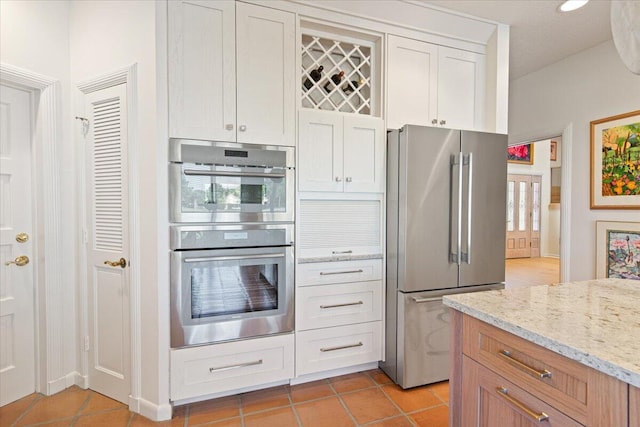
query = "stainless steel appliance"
{"x": 446, "y": 213}
{"x": 230, "y": 282}
{"x": 214, "y": 182}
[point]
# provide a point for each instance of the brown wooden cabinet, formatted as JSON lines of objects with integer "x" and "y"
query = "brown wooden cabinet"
{"x": 498, "y": 378}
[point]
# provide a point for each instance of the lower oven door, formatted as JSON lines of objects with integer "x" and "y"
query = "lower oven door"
{"x": 226, "y": 294}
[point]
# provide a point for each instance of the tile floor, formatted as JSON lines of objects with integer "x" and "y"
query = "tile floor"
{"x": 361, "y": 399}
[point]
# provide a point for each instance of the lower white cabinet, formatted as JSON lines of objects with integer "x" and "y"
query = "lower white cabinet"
{"x": 333, "y": 348}
{"x": 204, "y": 370}
{"x": 338, "y": 304}
{"x": 324, "y": 273}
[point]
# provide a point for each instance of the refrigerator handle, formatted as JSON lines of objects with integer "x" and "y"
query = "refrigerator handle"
{"x": 466, "y": 256}
{"x": 455, "y": 256}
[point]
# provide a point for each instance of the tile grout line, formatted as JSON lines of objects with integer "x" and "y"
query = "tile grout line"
{"x": 344, "y": 405}
{"x": 404, "y": 414}
{"x": 293, "y": 408}
{"x": 27, "y": 409}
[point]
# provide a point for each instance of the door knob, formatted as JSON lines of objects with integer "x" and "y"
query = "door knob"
{"x": 22, "y": 237}
{"x": 338, "y": 179}
{"x": 434, "y": 121}
{"x": 122, "y": 263}
{"x": 228, "y": 126}
{"x": 349, "y": 179}
{"x": 242, "y": 128}
{"x": 19, "y": 261}
{"x": 443, "y": 122}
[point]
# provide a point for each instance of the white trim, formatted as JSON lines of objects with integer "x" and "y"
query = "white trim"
{"x": 128, "y": 76}
{"x": 566, "y": 149}
{"x": 49, "y": 326}
{"x": 333, "y": 373}
{"x": 154, "y": 412}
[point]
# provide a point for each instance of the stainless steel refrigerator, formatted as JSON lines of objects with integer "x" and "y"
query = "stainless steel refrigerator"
{"x": 446, "y": 214}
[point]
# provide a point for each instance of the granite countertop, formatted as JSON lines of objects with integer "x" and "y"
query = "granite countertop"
{"x": 595, "y": 322}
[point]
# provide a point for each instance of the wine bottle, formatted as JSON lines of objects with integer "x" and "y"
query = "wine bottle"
{"x": 351, "y": 86}
{"x": 336, "y": 79}
{"x": 315, "y": 75}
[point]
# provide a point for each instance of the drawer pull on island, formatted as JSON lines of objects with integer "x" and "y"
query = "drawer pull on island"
{"x": 342, "y": 305}
{"x": 532, "y": 371}
{"x": 239, "y": 365}
{"x": 329, "y": 273}
{"x": 539, "y": 417}
{"x": 341, "y": 347}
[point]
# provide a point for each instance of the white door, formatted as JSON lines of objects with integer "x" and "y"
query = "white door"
{"x": 364, "y": 139}
{"x": 107, "y": 243}
{"x": 320, "y": 151}
{"x": 412, "y": 94}
{"x": 266, "y": 75}
{"x": 17, "y": 344}
{"x": 202, "y": 69}
{"x": 461, "y": 82}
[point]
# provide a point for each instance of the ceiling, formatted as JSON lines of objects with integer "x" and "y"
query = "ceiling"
{"x": 540, "y": 35}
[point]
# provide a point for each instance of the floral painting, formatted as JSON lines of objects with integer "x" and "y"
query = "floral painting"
{"x": 615, "y": 167}
{"x": 522, "y": 153}
{"x": 618, "y": 250}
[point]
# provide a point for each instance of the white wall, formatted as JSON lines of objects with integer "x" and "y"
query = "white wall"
{"x": 34, "y": 35}
{"x": 587, "y": 86}
{"x": 108, "y": 36}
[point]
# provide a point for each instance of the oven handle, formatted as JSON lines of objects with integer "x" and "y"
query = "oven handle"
{"x": 229, "y": 258}
{"x": 234, "y": 174}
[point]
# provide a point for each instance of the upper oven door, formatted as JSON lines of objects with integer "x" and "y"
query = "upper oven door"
{"x": 223, "y": 182}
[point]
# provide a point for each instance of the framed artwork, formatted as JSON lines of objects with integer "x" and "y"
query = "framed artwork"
{"x": 553, "y": 155}
{"x": 618, "y": 250}
{"x": 522, "y": 154}
{"x": 615, "y": 162}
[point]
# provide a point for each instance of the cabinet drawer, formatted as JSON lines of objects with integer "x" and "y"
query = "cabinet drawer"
{"x": 490, "y": 400}
{"x": 324, "y": 273}
{"x": 339, "y": 347}
{"x": 339, "y": 304}
{"x": 204, "y": 370}
{"x": 569, "y": 386}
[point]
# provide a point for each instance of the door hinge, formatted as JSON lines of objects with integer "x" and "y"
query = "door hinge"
{"x": 86, "y": 343}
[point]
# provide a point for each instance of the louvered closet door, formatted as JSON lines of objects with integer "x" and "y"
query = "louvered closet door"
{"x": 107, "y": 210}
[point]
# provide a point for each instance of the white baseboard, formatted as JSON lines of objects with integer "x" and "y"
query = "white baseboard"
{"x": 333, "y": 373}
{"x": 150, "y": 410}
{"x": 57, "y": 385}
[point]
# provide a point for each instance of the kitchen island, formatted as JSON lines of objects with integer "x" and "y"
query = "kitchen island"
{"x": 566, "y": 354}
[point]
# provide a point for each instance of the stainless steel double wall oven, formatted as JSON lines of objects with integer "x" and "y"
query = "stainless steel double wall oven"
{"x": 231, "y": 212}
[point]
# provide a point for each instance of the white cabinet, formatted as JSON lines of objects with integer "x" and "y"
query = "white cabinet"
{"x": 340, "y": 152}
{"x": 203, "y": 370}
{"x": 231, "y": 72}
{"x": 434, "y": 85}
{"x": 338, "y": 315}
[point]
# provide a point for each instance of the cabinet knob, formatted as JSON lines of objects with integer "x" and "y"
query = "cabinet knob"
{"x": 348, "y": 179}
{"x": 338, "y": 179}
{"x": 443, "y": 122}
{"x": 434, "y": 121}
{"x": 242, "y": 128}
{"x": 228, "y": 127}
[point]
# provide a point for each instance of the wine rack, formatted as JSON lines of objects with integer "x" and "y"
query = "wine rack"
{"x": 353, "y": 94}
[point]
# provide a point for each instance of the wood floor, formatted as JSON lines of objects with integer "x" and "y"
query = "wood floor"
{"x": 523, "y": 272}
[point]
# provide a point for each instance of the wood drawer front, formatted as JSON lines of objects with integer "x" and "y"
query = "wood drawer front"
{"x": 338, "y": 304}
{"x": 203, "y": 370}
{"x": 582, "y": 393}
{"x": 634, "y": 406}
{"x": 567, "y": 387}
{"x": 339, "y": 347}
{"x": 324, "y": 273}
{"x": 489, "y": 400}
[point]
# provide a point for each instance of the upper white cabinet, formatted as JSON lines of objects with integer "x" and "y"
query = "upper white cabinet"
{"x": 340, "y": 152}
{"x": 434, "y": 85}
{"x": 231, "y": 72}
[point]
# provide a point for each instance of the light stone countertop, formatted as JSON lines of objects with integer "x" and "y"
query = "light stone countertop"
{"x": 595, "y": 322}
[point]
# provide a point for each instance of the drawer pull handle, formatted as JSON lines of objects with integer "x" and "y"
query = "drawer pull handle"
{"x": 239, "y": 365}
{"x": 532, "y": 371}
{"x": 539, "y": 417}
{"x": 419, "y": 300}
{"x": 342, "y": 305}
{"x": 341, "y": 252}
{"x": 329, "y": 273}
{"x": 341, "y": 347}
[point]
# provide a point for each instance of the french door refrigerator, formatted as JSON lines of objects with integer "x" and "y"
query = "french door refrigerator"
{"x": 446, "y": 214}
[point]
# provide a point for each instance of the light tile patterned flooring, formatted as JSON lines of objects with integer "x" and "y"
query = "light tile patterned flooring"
{"x": 362, "y": 399}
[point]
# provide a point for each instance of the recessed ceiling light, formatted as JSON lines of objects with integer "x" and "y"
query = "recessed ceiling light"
{"x": 570, "y": 5}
